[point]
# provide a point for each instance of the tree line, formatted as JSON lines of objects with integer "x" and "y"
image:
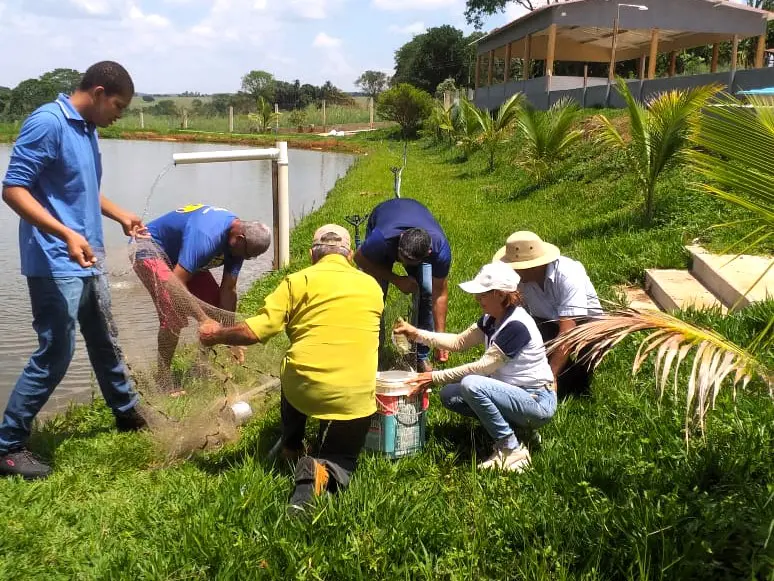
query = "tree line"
{"x": 18, "y": 102}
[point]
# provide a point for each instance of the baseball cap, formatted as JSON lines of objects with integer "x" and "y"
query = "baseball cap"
{"x": 493, "y": 276}
{"x": 332, "y": 235}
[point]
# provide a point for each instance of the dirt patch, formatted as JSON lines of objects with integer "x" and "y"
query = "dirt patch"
{"x": 331, "y": 144}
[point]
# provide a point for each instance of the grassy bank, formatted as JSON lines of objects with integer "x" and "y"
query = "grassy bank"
{"x": 614, "y": 491}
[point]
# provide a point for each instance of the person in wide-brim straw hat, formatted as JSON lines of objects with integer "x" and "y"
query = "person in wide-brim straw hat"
{"x": 511, "y": 385}
{"x": 558, "y": 294}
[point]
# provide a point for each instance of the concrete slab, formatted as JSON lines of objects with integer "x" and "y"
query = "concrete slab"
{"x": 678, "y": 289}
{"x": 729, "y": 277}
{"x": 637, "y": 298}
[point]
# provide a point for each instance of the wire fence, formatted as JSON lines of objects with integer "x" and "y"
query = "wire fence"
{"x": 309, "y": 120}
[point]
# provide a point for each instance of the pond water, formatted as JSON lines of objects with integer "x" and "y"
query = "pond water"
{"x": 130, "y": 168}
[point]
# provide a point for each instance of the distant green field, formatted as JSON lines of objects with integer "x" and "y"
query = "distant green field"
{"x": 180, "y": 102}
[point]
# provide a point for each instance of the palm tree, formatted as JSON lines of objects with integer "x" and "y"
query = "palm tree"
{"x": 264, "y": 116}
{"x": 495, "y": 130}
{"x": 466, "y": 127}
{"x": 441, "y": 124}
{"x": 659, "y": 133}
{"x": 735, "y": 141}
{"x": 547, "y": 135}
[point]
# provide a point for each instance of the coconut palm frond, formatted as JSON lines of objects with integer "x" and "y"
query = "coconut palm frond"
{"x": 734, "y": 157}
{"x": 715, "y": 359}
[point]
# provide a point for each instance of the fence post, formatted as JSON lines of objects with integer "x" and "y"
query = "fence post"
{"x": 185, "y": 119}
{"x": 142, "y": 120}
{"x": 446, "y": 99}
{"x": 231, "y": 120}
{"x": 276, "y": 118}
{"x": 371, "y": 113}
{"x": 324, "y": 117}
{"x": 279, "y": 187}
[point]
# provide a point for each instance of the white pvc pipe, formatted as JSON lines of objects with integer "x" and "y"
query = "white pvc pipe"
{"x": 271, "y": 154}
{"x": 279, "y": 157}
{"x": 283, "y": 203}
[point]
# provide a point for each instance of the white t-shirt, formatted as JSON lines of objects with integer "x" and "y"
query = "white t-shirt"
{"x": 567, "y": 292}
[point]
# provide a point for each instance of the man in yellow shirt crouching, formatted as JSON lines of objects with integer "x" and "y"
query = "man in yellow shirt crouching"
{"x": 330, "y": 312}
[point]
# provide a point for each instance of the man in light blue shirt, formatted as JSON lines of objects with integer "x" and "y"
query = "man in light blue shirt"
{"x": 53, "y": 183}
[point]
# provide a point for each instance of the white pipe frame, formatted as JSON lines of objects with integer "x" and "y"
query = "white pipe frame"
{"x": 279, "y": 160}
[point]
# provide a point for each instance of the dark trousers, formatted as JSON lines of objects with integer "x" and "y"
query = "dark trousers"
{"x": 575, "y": 378}
{"x": 339, "y": 442}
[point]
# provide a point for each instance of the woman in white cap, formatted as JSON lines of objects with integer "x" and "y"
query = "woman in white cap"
{"x": 559, "y": 295}
{"x": 511, "y": 384}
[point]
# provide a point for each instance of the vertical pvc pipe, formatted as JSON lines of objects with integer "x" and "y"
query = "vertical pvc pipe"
{"x": 142, "y": 120}
{"x": 283, "y": 206}
{"x": 231, "y": 120}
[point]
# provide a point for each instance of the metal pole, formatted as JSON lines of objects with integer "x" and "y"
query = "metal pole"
{"x": 283, "y": 206}
{"x": 611, "y": 73}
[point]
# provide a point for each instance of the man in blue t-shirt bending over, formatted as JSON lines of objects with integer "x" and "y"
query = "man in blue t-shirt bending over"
{"x": 189, "y": 242}
{"x": 403, "y": 230}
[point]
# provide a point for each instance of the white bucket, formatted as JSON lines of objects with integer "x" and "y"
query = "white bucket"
{"x": 393, "y": 382}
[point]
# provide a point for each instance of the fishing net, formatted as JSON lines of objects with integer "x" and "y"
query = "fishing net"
{"x": 188, "y": 391}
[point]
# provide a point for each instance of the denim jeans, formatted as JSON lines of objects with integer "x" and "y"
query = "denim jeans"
{"x": 57, "y": 303}
{"x": 423, "y": 274}
{"x": 500, "y": 406}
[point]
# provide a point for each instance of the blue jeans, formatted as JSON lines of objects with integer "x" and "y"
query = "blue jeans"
{"x": 423, "y": 274}
{"x": 56, "y": 305}
{"x": 499, "y": 405}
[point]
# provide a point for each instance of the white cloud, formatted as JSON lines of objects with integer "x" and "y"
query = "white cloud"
{"x": 412, "y": 29}
{"x": 150, "y": 19}
{"x": 96, "y": 7}
{"x": 322, "y": 40}
{"x": 312, "y": 9}
{"x": 514, "y": 11}
{"x": 396, "y": 5}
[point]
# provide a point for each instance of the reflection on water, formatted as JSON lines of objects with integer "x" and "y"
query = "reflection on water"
{"x": 130, "y": 168}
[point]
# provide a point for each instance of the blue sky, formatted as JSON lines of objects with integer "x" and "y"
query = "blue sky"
{"x": 207, "y": 45}
{"x": 171, "y": 46}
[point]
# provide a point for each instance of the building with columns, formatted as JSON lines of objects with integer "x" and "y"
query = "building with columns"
{"x": 607, "y": 32}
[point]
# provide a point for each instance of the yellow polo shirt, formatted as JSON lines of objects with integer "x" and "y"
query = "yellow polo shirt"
{"x": 331, "y": 314}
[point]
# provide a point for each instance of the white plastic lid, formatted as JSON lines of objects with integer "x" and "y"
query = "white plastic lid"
{"x": 393, "y": 382}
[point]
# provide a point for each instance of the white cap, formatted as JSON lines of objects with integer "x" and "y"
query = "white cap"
{"x": 493, "y": 276}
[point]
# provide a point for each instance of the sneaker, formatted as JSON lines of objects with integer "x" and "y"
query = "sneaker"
{"x": 311, "y": 481}
{"x": 424, "y": 366}
{"x": 23, "y": 463}
{"x": 514, "y": 460}
{"x": 130, "y": 421}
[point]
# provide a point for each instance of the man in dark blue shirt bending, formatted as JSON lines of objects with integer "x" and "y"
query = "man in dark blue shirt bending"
{"x": 403, "y": 230}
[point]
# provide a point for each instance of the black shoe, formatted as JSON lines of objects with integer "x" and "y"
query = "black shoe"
{"x": 23, "y": 463}
{"x": 311, "y": 481}
{"x": 130, "y": 421}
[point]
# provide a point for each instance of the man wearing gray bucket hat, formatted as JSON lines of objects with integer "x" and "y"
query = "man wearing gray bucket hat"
{"x": 558, "y": 294}
{"x": 330, "y": 312}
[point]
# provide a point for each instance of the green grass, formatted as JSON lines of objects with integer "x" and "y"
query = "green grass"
{"x": 614, "y": 492}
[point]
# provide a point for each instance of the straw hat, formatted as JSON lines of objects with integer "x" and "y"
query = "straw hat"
{"x": 525, "y": 250}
